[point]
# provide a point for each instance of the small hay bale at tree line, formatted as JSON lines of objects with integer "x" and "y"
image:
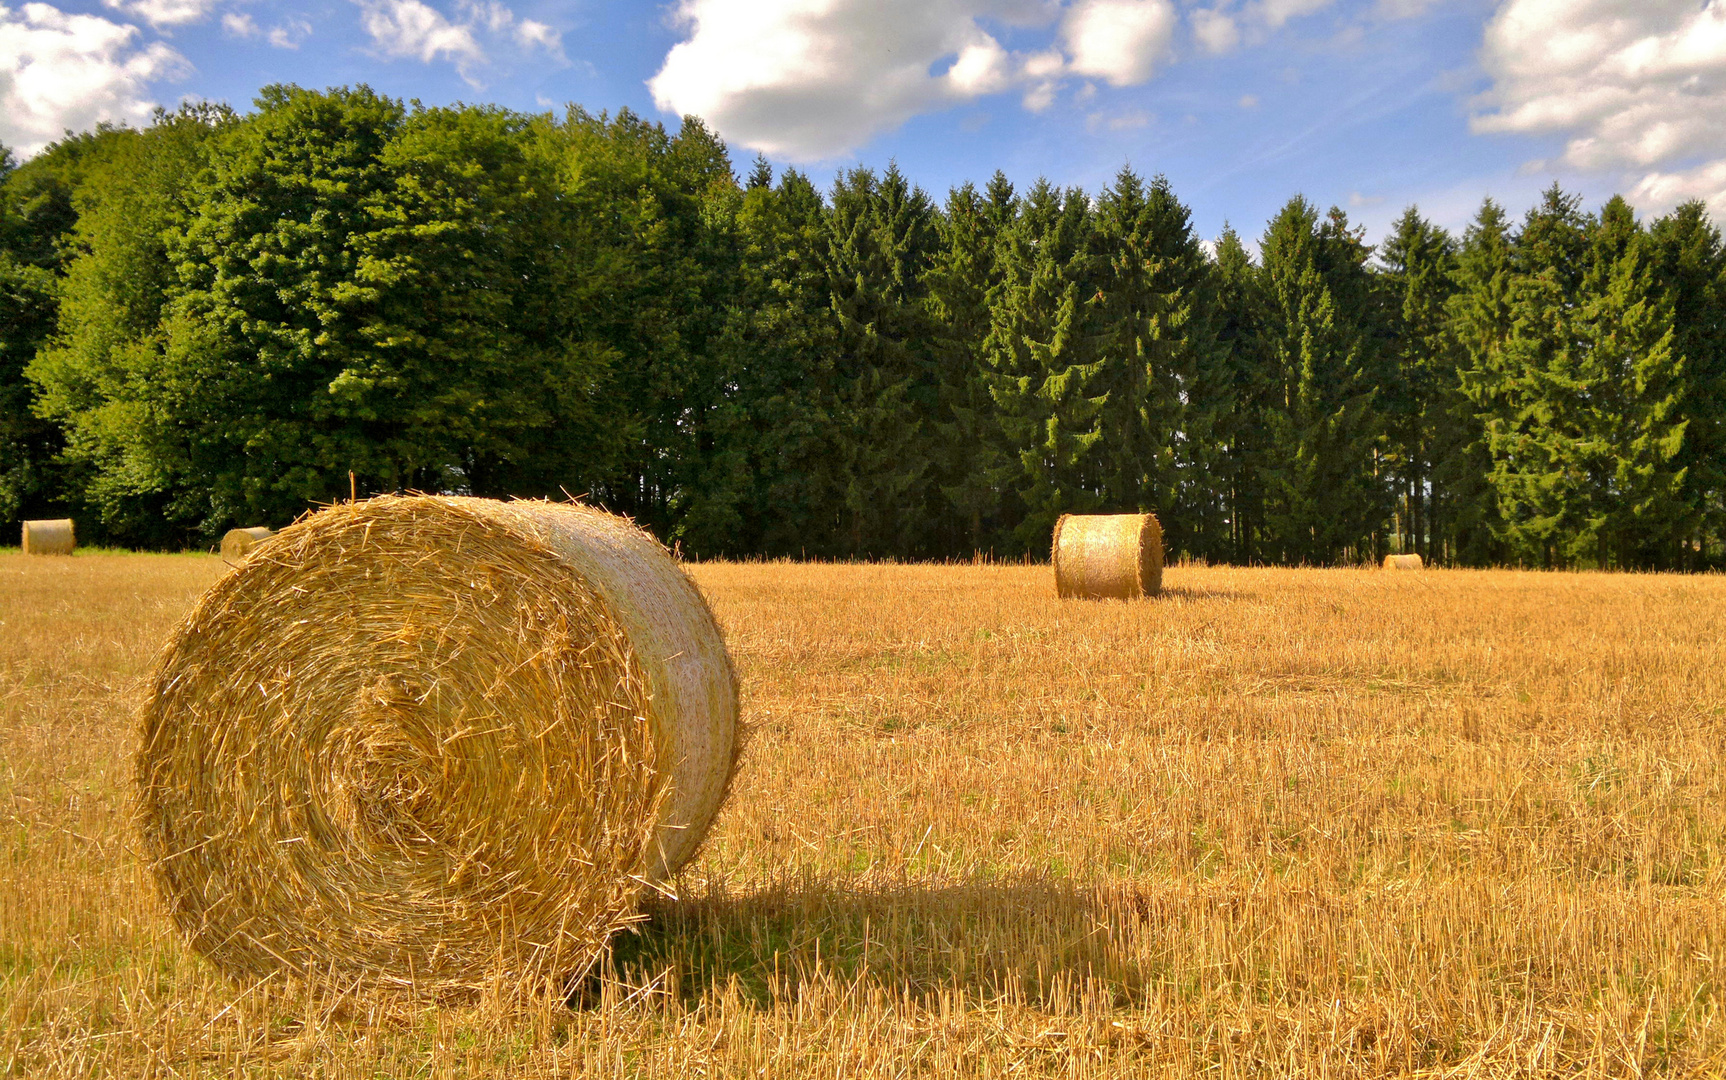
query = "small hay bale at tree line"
{"x": 238, "y": 543}
{"x": 434, "y": 742}
{"x": 1403, "y": 562}
{"x": 1108, "y": 556}
{"x": 52, "y": 536}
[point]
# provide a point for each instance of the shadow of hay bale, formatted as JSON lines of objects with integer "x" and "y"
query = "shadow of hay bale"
{"x": 1032, "y": 939}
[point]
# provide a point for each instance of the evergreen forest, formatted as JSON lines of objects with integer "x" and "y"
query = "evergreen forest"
{"x": 213, "y": 320}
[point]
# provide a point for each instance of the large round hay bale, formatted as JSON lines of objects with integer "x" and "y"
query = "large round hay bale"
{"x": 52, "y": 536}
{"x": 238, "y": 543}
{"x": 1101, "y": 556}
{"x": 1403, "y": 562}
{"x": 431, "y": 742}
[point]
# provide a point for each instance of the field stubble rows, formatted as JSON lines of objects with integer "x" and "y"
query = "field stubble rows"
{"x": 1303, "y": 822}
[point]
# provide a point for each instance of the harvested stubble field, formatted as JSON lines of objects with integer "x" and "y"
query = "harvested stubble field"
{"x": 1339, "y": 823}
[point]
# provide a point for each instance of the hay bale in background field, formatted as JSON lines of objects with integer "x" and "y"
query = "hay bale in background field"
{"x": 431, "y": 741}
{"x": 53, "y": 536}
{"x": 1100, "y": 556}
{"x": 1403, "y": 562}
{"x": 237, "y": 543}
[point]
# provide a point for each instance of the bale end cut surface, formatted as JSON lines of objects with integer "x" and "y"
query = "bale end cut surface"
{"x": 1108, "y": 556}
{"x": 430, "y": 743}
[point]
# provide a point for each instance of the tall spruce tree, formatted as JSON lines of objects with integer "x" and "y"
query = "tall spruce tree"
{"x": 1689, "y": 261}
{"x": 1250, "y": 387}
{"x": 1582, "y": 400}
{"x": 772, "y": 486}
{"x": 882, "y": 240}
{"x": 1419, "y": 269}
{"x": 1635, "y": 391}
{"x": 1323, "y": 499}
{"x": 1519, "y": 384}
{"x": 1480, "y": 316}
{"x": 967, "y": 440}
{"x": 1154, "y": 334}
{"x": 1042, "y": 363}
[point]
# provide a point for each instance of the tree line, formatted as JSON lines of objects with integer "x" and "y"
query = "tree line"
{"x": 213, "y": 320}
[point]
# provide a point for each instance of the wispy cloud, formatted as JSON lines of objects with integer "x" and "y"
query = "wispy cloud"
{"x": 160, "y": 13}
{"x": 412, "y": 29}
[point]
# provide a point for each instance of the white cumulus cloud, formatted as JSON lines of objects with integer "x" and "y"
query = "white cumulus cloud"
{"x": 1638, "y": 87}
{"x": 1118, "y": 40}
{"x": 60, "y": 71}
{"x": 812, "y": 79}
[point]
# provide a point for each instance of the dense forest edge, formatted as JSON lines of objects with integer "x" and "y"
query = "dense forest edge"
{"x": 212, "y": 320}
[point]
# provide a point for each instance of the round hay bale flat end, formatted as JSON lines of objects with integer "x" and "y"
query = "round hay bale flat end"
{"x": 52, "y": 536}
{"x": 238, "y": 543}
{"x": 1108, "y": 556}
{"x": 1403, "y": 562}
{"x": 432, "y": 743}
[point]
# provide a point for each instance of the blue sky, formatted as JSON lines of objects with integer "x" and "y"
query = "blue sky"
{"x": 1367, "y": 104}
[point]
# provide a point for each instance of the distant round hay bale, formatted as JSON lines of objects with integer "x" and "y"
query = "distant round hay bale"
{"x": 52, "y": 536}
{"x": 1403, "y": 562}
{"x": 238, "y": 543}
{"x": 1102, "y": 556}
{"x": 434, "y": 742}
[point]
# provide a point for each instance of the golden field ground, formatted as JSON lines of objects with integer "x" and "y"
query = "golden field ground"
{"x": 1277, "y": 822}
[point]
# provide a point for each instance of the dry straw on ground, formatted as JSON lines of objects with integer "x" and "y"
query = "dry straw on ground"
{"x": 53, "y": 536}
{"x": 238, "y": 543}
{"x": 1108, "y": 556}
{"x": 1403, "y": 562}
{"x": 433, "y": 744}
{"x": 1280, "y": 823}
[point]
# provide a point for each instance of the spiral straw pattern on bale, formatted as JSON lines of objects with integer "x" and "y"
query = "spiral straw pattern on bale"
{"x": 52, "y": 536}
{"x": 238, "y": 543}
{"x": 1403, "y": 562}
{"x": 431, "y": 743}
{"x": 1108, "y": 556}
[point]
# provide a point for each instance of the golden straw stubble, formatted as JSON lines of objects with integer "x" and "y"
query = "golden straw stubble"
{"x": 1108, "y": 556}
{"x": 423, "y": 743}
